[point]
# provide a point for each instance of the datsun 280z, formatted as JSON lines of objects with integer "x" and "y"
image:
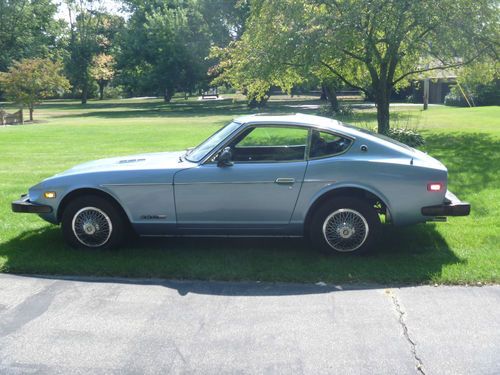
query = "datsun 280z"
{"x": 261, "y": 175}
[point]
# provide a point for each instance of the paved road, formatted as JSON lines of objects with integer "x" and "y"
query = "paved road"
{"x": 361, "y": 105}
{"x": 56, "y": 325}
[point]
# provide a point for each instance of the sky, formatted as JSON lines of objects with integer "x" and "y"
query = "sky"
{"x": 111, "y": 6}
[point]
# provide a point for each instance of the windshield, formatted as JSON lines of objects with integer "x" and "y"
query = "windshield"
{"x": 199, "y": 152}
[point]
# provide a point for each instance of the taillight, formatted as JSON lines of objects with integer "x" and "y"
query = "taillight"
{"x": 435, "y": 186}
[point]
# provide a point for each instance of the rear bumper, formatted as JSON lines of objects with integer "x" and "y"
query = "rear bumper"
{"x": 24, "y": 205}
{"x": 452, "y": 206}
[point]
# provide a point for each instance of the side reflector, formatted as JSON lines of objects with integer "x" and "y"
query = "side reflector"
{"x": 434, "y": 186}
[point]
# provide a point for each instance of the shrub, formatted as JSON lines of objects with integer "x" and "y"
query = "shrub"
{"x": 226, "y": 90}
{"x": 487, "y": 94}
{"x": 326, "y": 110}
{"x": 455, "y": 98}
{"x": 407, "y": 136}
{"x": 114, "y": 92}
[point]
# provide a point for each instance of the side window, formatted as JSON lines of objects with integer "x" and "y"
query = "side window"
{"x": 271, "y": 144}
{"x": 325, "y": 144}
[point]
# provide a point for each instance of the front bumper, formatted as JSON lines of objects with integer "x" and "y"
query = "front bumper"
{"x": 24, "y": 205}
{"x": 452, "y": 206}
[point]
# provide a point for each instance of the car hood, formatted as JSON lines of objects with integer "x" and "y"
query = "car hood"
{"x": 159, "y": 160}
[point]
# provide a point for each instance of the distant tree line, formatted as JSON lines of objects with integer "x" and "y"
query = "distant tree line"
{"x": 159, "y": 48}
{"x": 162, "y": 47}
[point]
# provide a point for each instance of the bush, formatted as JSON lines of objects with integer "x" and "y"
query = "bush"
{"x": 407, "y": 136}
{"x": 488, "y": 94}
{"x": 455, "y": 98}
{"x": 226, "y": 90}
{"x": 326, "y": 110}
{"x": 114, "y": 92}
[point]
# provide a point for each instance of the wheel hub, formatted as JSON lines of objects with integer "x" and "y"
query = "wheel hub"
{"x": 90, "y": 228}
{"x": 346, "y": 231}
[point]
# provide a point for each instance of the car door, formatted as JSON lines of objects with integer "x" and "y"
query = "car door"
{"x": 259, "y": 189}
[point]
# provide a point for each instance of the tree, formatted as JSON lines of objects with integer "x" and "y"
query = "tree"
{"x": 92, "y": 31}
{"x": 481, "y": 80}
{"x": 103, "y": 71}
{"x": 29, "y": 81}
{"x": 226, "y": 19}
{"x": 164, "y": 47}
{"x": 241, "y": 67}
{"x": 374, "y": 46}
{"x": 27, "y": 29}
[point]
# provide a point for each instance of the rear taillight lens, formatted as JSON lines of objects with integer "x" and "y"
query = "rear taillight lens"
{"x": 435, "y": 186}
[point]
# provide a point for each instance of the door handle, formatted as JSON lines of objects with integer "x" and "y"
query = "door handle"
{"x": 284, "y": 181}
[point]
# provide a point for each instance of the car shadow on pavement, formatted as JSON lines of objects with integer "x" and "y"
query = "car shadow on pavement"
{"x": 411, "y": 255}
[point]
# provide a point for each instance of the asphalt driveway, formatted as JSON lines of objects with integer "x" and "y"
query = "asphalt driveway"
{"x": 72, "y": 326}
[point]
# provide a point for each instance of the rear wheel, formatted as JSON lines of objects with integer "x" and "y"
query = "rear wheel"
{"x": 345, "y": 225}
{"x": 92, "y": 222}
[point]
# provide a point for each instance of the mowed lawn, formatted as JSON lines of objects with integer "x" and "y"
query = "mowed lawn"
{"x": 463, "y": 250}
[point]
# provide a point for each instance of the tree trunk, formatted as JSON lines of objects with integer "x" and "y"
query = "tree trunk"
{"x": 323, "y": 96}
{"x": 167, "y": 95}
{"x": 426, "y": 93}
{"x": 382, "y": 102}
{"x": 101, "y": 90}
{"x": 85, "y": 93}
{"x": 331, "y": 95}
{"x": 31, "y": 113}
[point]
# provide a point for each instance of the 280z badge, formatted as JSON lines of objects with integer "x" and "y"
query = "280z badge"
{"x": 153, "y": 217}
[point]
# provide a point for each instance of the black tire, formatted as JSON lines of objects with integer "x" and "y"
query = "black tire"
{"x": 357, "y": 232}
{"x": 91, "y": 215}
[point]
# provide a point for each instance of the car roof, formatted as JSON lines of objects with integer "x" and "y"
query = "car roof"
{"x": 295, "y": 119}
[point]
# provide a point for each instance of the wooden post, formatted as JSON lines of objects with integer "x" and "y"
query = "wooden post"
{"x": 21, "y": 117}
{"x": 2, "y": 117}
{"x": 463, "y": 93}
{"x": 426, "y": 93}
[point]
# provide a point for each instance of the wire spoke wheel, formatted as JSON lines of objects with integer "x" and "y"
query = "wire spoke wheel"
{"x": 91, "y": 226}
{"x": 345, "y": 230}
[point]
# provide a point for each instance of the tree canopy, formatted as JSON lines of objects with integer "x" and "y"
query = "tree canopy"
{"x": 166, "y": 43}
{"x": 102, "y": 70}
{"x": 91, "y": 32}
{"x": 373, "y": 46}
{"x": 160, "y": 47}
{"x": 27, "y": 29}
{"x": 29, "y": 81}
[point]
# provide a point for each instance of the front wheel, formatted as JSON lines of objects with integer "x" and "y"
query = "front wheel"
{"x": 92, "y": 222}
{"x": 345, "y": 225}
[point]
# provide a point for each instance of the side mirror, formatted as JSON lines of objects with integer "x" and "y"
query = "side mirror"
{"x": 225, "y": 158}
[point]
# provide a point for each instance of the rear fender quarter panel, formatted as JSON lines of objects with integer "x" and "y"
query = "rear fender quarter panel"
{"x": 402, "y": 187}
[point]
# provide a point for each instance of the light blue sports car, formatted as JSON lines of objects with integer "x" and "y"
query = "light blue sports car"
{"x": 260, "y": 175}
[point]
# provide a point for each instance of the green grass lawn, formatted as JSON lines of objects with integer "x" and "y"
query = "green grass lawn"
{"x": 464, "y": 250}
